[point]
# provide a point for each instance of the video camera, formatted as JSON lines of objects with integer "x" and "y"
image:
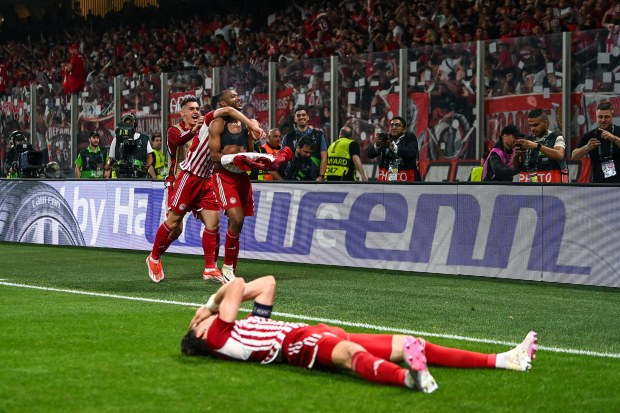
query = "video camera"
{"x": 127, "y": 153}
{"x": 28, "y": 163}
{"x": 383, "y": 137}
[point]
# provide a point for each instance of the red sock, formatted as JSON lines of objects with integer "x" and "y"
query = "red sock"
{"x": 217, "y": 246}
{"x": 162, "y": 241}
{"x": 236, "y": 259}
{"x": 231, "y": 248}
{"x": 452, "y": 357}
{"x": 377, "y": 370}
{"x": 377, "y": 345}
{"x": 209, "y": 241}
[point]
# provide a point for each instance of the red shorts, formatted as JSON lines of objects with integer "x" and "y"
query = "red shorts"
{"x": 305, "y": 346}
{"x": 190, "y": 193}
{"x": 233, "y": 190}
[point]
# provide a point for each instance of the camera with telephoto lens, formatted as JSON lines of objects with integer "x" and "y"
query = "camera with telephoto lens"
{"x": 383, "y": 137}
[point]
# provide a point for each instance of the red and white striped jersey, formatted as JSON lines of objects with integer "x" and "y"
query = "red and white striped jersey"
{"x": 253, "y": 338}
{"x": 198, "y": 159}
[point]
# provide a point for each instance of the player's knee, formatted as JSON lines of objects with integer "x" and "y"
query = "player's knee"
{"x": 269, "y": 283}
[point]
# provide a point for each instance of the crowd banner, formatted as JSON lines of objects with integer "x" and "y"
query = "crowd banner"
{"x": 564, "y": 234}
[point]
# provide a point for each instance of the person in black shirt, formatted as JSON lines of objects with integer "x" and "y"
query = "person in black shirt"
{"x": 602, "y": 145}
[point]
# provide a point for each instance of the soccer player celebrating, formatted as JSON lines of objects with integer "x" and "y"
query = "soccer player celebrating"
{"x": 191, "y": 190}
{"x": 233, "y": 191}
{"x": 215, "y": 330}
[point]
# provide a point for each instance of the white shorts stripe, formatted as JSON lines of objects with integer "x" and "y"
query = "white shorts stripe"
{"x": 220, "y": 189}
{"x": 179, "y": 189}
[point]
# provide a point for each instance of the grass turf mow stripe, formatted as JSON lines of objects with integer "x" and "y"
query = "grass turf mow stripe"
{"x": 320, "y": 320}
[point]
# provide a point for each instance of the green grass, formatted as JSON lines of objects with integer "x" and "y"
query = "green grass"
{"x": 64, "y": 352}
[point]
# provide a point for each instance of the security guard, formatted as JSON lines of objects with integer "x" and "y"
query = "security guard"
{"x": 160, "y": 159}
{"x": 343, "y": 158}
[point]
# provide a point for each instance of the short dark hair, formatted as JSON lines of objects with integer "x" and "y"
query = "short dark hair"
{"x": 215, "y": 100}
{"x": 605, "y": 106}
{"x": 537, "y": 113}
{"x": 193, "y": 346}
{"x": 400, "y": 118}
{"x": 306, "y": 140}
{"x": 300, "y": 107}
{"x": 188, "y": 100}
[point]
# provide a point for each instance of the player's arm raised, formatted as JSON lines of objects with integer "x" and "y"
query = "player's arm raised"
{"x": 252, "y": 124}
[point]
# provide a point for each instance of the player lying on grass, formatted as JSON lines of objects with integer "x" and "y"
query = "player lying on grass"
{"x": 215, "y": 330}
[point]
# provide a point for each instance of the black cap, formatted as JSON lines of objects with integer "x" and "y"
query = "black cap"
{"x": 511, "y": 130}
{"x": 94, "y": 133}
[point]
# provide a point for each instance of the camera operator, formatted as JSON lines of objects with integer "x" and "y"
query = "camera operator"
{"x": 131, "y": 153}
{"x": 398, "y": 152}
{"x": 90, "y": 161}
{"x": 22, "y": 161}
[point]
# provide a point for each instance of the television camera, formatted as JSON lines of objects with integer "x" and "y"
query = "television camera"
{"x": 129, "y": 153}
{"x": 23, "y": 159}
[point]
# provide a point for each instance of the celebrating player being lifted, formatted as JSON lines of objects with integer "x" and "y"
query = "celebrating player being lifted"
{"x": 233, "y": 191}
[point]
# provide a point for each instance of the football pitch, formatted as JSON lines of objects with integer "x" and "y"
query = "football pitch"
{"x": 83, "y": 330}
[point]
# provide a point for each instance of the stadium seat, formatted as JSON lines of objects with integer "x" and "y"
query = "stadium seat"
{"x": 438, "y": 172}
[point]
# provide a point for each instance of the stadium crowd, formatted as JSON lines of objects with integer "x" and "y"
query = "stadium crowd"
{"x": 142, "y": 41}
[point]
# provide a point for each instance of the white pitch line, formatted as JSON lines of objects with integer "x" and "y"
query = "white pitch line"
{"x": 323, "y": 320}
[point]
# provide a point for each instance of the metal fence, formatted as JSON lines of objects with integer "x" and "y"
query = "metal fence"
{"x": 456, "y": 98}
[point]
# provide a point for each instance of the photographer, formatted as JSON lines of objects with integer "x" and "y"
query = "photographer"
{"x": 21, "y": 160}
{"x": 301, "y": 167}
{"x": 398, "y": 152}
{"x": 541, "y": 157}
{"x": 498, "y": 166}
{"x": 131, "y": 153}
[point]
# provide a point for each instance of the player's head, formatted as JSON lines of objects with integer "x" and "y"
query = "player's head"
{"x": 190, "y": 110}
{"x": 275, "y": 138}
{"x": 229, "y": 97}
{"x": 538, "y": 122}
{"x": 192, "y": 345}
{"x": 605, "y": 115}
